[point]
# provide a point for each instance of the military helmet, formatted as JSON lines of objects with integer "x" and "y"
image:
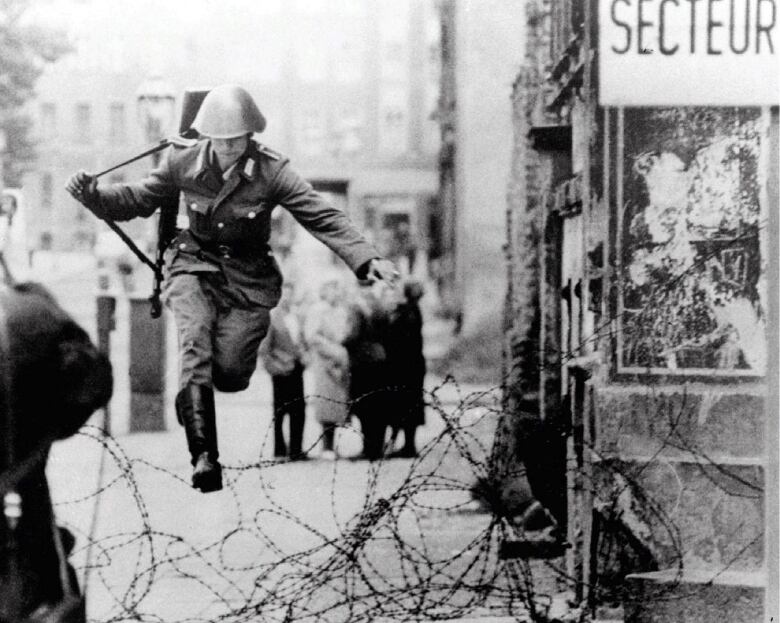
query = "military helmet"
{"x": 228, "y": 111}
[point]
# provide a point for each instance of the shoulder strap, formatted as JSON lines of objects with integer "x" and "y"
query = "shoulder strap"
{"x": 266, "y": 151}
{"x": 181, "y": 142}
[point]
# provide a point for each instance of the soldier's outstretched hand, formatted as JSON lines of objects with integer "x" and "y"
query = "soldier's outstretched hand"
{"x": 382, "y": 270}
{"x": 83, "y": 187}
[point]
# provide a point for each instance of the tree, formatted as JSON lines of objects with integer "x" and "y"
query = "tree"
{"x": 20, "y": 150}
{"x": 25, "y": 50}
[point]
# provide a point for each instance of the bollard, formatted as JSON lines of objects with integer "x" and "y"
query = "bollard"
{"x": 106, "y": 323}
{"x": 147, "y": 368}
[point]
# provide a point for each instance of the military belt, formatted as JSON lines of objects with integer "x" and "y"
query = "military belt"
{"x": 228, "y": 251}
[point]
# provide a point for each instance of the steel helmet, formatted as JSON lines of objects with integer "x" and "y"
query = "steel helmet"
{"x": 228, "y": 111}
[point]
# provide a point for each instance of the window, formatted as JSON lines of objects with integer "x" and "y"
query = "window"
{"x": 117, "y": 130}
{"x": 48, "y": 125}
{"x": 394, "y": 122}
{"x": 83, "y": 123}
{"x": 348, "y": 131}
{"x": 348, "y": 62}
{"x": 394, "y": 117}
{"x": 47, "y": 191}
{"x": 348, "y": 49}
{"x": 313, "y": 132}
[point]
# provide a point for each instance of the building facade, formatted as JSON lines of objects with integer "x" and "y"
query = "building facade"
{"x": 636, "y": 327}
{"x": 350, "y": 89}
{"x": 482, "y": 45}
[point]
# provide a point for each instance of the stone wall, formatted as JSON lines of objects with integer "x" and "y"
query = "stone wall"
{"x": 660, "y": 392}
{"x": 528, "y": 183}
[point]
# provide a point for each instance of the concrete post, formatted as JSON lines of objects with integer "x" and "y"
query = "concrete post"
{"x": 156, "y": 105}
{"x": 147, "y": 367}
{"x": 106, "y": 323}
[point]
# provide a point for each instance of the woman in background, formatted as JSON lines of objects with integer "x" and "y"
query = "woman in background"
{"x": 406, "y": 368}
{"x": 325, "y": 330}
{"x": 369, "y": 389}
{"x": 282, "y": 355}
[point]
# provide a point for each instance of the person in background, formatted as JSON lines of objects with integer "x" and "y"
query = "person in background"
{"x": 404, "y": 246}
{"x": 406, "y": 368}
{"x": 53, "y": 378}
{"x": 324, "y": 332}
{"x": 282, "y": 355}
{"x": 14, "y": 254}
{"x": 368, "y": 388}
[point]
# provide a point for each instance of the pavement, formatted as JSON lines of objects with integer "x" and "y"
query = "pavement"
{"x": 316, "y": 540}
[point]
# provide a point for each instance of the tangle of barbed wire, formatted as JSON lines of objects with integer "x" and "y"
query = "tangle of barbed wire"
{"x": 378, "y": 559}
{"x": 386, "y": 554}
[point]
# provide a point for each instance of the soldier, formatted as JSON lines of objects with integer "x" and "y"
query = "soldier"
{"x": 221, "y": 279}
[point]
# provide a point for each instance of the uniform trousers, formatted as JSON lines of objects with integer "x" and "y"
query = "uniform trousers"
{"x": 219, "y": 333}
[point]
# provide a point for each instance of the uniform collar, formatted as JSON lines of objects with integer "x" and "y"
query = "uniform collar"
{"x": 249, "y": 167}
{"x": 246, "y": 165}
{"x": 250, "y": 164}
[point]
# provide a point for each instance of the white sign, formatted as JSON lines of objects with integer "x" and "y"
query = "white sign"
{"x": 689, "y": 52}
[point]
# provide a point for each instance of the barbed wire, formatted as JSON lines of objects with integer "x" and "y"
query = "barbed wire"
{"x": 381, "y": 557}
{"x": 380, "y": 561}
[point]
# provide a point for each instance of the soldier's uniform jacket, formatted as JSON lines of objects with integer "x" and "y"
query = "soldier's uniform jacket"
{"x": 230, "y": 215}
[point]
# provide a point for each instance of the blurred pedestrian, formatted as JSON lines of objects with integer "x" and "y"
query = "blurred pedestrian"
{"x": 14, "y": 254}
{"x": 51, "y": 381}
{"x": 404, "y": 247}
{"x": 406, "y": 368}
{"x": 325, "y": 331}
{"x": 221, "y": 279}
{"x": 368, "y": 369}
{"x": 282, "y": 354}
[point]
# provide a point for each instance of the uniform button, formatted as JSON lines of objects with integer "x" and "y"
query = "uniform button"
{"x": 220, "y": 225}
{"x": 182, "y": 246}
{"x": 252, "y": 214}
{"x": 194, "y": 205}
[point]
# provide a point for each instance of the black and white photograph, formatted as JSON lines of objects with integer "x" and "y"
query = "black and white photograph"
{"x": 384, "y": 311}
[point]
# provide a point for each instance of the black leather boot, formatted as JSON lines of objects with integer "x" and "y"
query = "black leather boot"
{"x": 195, "y": 410}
